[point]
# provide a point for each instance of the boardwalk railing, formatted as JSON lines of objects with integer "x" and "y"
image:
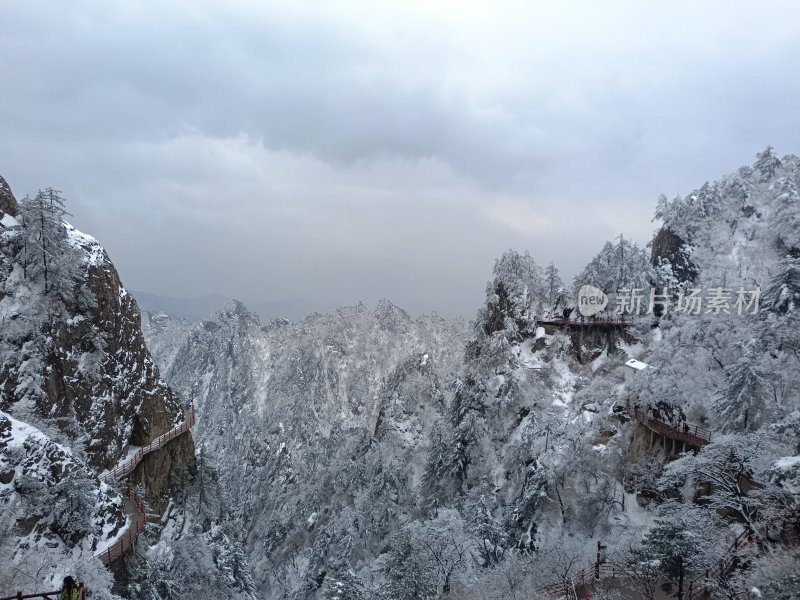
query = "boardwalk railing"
{"x": 126, "y": 540}
{"x": 47, "y": 595}
{"x": 582, "y": 581}
{"x": 129, "y": 536}
{"x": 586, "y": 321}
{"x": 690, "y": 434}
{"x": 698, "y": 586}
{"x": 125, "y": 468}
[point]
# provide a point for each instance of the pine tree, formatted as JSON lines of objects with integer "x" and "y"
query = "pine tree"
{"x": 553, "y": 284}
{"x": 510, "y": 296}
{"x": 787, "y": 215}
{"x": 767, "y": 163}
{"x": 408, "y": 575}
{"x": 433, "y": 478}
{"x": 676, "y": 548}
{"x": 45, "y": 246}
{"x": 743, "y": 403}
{"x": 492, "y": 538}
{"x": 623, "y": 265}
{"x": 783, "y": 293}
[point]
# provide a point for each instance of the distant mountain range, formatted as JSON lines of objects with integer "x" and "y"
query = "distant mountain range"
{"x": 196, "y": 309}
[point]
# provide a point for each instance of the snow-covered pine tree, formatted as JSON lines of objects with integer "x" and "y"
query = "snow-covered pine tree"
{"x": 787, "y": 215}
{"x": 553, "y": 285}
{"x": 767, "y": 163}
{"x": 622, "y": 265}
{"x": 433, "y": 485}
{"x": 673, "y": 544}
{"x": 783, "y": 292}
{"x": 725, "y": 473}
{"x": 406, "y": 572}
{"x": 513, "y": 294}
{"x": 492, "y": 538}
{"x": 742, "y": 405}
{"x": 44, "y": 236}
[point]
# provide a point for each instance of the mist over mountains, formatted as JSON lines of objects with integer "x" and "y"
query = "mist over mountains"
{"x": 195, "y": 309}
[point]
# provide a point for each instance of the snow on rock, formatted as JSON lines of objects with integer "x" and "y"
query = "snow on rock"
{"x": 59, "y": 496}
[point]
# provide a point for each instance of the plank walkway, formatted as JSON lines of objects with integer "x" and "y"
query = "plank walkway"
{"x": 129, "y": 535}
{"x": 582, "y": 582}
{"x": 587, "y": 322}
{"x": 692, "y": 435}
{"x": 132, "y": 499}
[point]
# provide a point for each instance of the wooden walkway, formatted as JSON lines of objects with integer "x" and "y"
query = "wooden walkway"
{"x": 691, "y": 435}
{"x": 583, "y": 580}
{"x": 129, "y": 535}
{"x": 129, "y": 465}
{"x": 581, "y": 583}
{"x": 587, "y": 322}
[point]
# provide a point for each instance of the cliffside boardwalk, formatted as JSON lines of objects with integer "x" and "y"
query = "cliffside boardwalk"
{"x": 129, "y": 465}
{"x": 129, "y": 535}
{"x": 582, "y": 581}
{"x": 690, "y": 435}
{"x": 620, "y": 321}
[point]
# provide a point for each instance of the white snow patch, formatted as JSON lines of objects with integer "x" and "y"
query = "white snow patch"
{"x": 599, "y": 361}
{"x": 87, "y": 243}
{"x": 636, "y": 364}
{"x": 786, "y": 462}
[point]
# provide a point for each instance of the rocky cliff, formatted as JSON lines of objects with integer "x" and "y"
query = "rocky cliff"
{"x": 80, "y": 389}
{"x": 8, "y": 204}
{"x": 79, "y": 359}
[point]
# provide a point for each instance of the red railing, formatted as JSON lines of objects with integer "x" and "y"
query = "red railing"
{"x": 128, "y": 537}
{"x": 125, "y": 468}
{"x": 126, "y": 540}
{"x": 721, "y": 569}
{"x": 48, "y": 595}
{"x": 691, "y": 434}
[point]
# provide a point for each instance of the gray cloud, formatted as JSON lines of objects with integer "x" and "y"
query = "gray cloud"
{"x": 337, "y": 152}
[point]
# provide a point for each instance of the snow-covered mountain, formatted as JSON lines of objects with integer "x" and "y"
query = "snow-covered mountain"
{"x": 80, "y": 394}
{"x": 305, "y": 422}
{"x": 366, "y": 454}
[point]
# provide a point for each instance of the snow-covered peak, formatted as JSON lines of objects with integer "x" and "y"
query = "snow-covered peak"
{"x": 235, "y": 311}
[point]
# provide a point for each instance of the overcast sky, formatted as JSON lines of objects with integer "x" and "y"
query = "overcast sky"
{"x": 339, "y": 151}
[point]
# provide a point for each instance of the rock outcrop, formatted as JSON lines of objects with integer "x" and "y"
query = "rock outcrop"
{"x": 84, "y": 367}
{"x": 669, "y": 248}
{"x": 8, "y": 204}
